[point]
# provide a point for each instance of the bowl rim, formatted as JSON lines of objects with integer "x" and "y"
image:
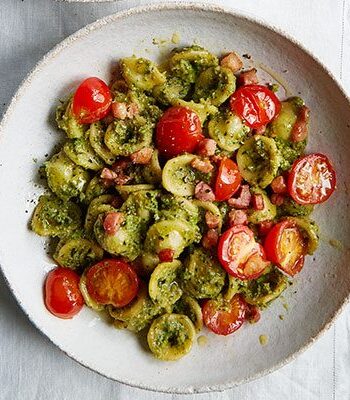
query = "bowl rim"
{"x": 82, "y": 33}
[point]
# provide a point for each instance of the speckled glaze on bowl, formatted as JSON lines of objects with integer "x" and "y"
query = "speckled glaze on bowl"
{"x": 27, "y": 132}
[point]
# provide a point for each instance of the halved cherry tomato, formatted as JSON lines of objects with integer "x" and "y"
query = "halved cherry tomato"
{"x": 255, "y": 104}
{"x": 254, "y": 266}
{"x": 92, "y": 101}
{"x": 113, "y": 282}
{"x": 228, "y": 180}
{"x": 62, "y": 295}
{"x": 285, "y": 246}
{"x": 252, "y": 314}
{"x": 240, "y": 254}
{"x": 179, "y": 130}
{"x": 224, "y": 317}
{"x": 312, "y": 179}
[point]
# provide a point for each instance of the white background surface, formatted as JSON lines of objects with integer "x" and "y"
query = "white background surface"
{"x": 30, "y": 366}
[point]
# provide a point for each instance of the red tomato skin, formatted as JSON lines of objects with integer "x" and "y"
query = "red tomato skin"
{"x": 272, "y": 239}
{"x": 224, "y": 322}
{"x": 228, "y": 180}
{"x": 271, "y": 246}
{"x": 92, "y": 101}
{"x": 179, "y": 130}
{"x": 330, "y": 177}
{"x": 298, "y": 266}
{"x": 252, "y": 314}
{"x": 100, "y": 276}
{"x": 255, "y": 104}
{"x": 235, "y": 267}
{"x": 62, "y": 294}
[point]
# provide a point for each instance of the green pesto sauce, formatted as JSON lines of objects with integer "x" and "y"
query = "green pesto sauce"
{"x": 172, "y": 334}
{"x": 145, "y": 316}
{"x": 203, "y": 276}
{"x": 290, "y": 207}
{"x": 127, "y": 242}
{"x": 67, "y": 122}
{"x": 176, "y": 207}
{"x": 259, "y": 157}
{"x": 289, "y": 152}
{"x": 186, "y": 174}
{"x": 55, "y": 217}
{"x": 77, "y": 254}
{"x": 264, "y": 289}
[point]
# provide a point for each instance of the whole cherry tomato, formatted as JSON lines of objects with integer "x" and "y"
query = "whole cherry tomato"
{"x": 179, "y": 130}
{"x": 312, "y": 179}
{"x": 240, "y": 254}
{"x": 92, "y": 101}
{"x": 112, "y": 281}
{"x": 62, "y": 295}
{"x": 255, "y": 104}
{"x": 285, "y": 246}
{"x": 224, "y": 317}
{"x": 228, "y": 180}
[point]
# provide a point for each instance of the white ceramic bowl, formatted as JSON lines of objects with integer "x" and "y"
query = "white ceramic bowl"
{"x": 28, "y": 132}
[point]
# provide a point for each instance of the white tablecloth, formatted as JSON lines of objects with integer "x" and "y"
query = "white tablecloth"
{"x": 33, "y": 368}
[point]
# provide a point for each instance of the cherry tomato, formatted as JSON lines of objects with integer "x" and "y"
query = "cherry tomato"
{"x": 240, "y": 254}
{"x": 252, "y": 314}
{"x": 224, "y": 317}
{"x": 92, "y": 101}
{"x": 228, "y": 180}
{"x": 255, "y": 104}
{"x": 62, "y": 295}
{"x": 311, "y": 180}
{"x": 113, "y": 282}
{"x": 254, "y": 266}
{"x": 285, "y": 246}
{"x": 179, "y": 130}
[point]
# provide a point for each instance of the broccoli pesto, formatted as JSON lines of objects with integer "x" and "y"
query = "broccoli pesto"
{"x": 289, "y": 152}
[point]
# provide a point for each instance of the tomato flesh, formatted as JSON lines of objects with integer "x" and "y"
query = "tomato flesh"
{"x": 62, "y": 295}
{"x": 179, "y": 130}
{"x": 239, "y": 253}
{"x": 113, "y": 282}
{"x": 255, "y": 104}
{"x": 312, "y": 179}
{"x": 228, "y": 180}
{"x": 224, "y": 317}
{"x": 92, "y": 101}
{"x": 254, "y": 266}
{"x": 285, "y": 246}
